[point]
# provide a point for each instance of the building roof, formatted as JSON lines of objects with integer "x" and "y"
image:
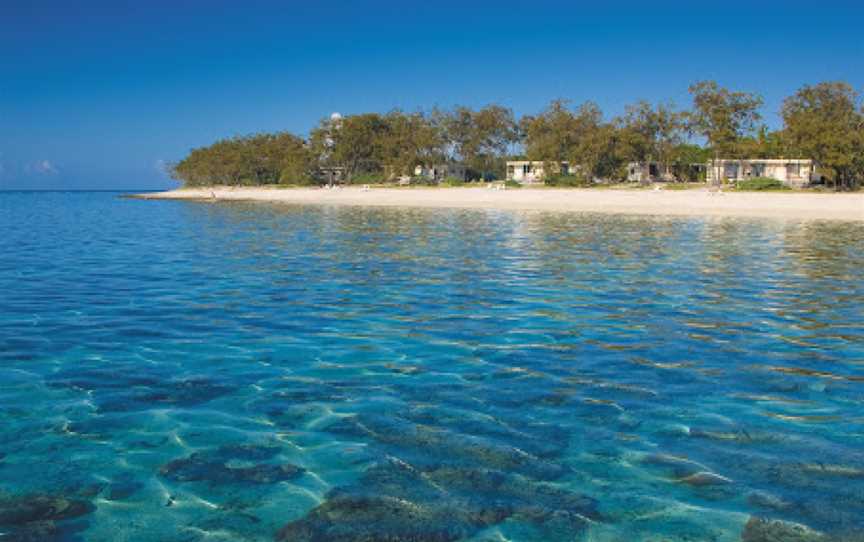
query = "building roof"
{"x": 524, "y": 162}
{"x": 778, "y": 161}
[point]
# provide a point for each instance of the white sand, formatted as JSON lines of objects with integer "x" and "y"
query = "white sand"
{"x": 697, "y": 202}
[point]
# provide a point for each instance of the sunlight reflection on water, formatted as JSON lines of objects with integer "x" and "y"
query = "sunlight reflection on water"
{"x": 185, "y": 371}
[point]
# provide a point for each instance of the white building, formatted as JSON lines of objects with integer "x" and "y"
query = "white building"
{"x": 647, "y": 172}
{"x": 439, "y": 172}
{"x": 534, "y": 171}
{"x": 792, "y": 172}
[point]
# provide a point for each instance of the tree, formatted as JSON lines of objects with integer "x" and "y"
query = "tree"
{"x": 412, "y": 139}
{"x": 723, "y": 116}
{"x": 550, "y": 136}
{"x": 250, "y": 160}
{"x": 594, "y": 145}
{"x": 765, "y": 144}
{"x": 480, "y": 139}
{"x": 684, "y": 157}
{"x": 651, "y": 133}
{"x": 579, "y": 137}
{"x": 823, "y": 122}
{"x": 294, "y": 159}
{"x": 357, "y": 143}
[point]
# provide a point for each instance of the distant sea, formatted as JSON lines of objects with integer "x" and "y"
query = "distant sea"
{"x": 180, "y": 372}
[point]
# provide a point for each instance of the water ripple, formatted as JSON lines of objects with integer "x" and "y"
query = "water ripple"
{"x": 177, "y": 371}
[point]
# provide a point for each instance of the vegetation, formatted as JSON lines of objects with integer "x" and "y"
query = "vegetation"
{"x": 568, "y": 180}
{"x": 760, "y": 184}
{"x": 824, "y": 122}
{"x": 722, "y": 116}
{"x": 253, "y": 160}
{"x": 681, "y": 186}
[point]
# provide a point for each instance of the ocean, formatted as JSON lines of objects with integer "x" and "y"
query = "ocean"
{"x": 182, "y": 371}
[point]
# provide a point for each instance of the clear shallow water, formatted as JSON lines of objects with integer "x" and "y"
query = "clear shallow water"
{"x": 181, "y": 371}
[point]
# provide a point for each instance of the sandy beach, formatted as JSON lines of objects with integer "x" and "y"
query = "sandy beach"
{"x": 697, "y": 202}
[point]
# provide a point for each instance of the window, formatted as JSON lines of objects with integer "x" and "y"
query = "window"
{"x": 730, "y": 171}
{"x": 793, "y": 169}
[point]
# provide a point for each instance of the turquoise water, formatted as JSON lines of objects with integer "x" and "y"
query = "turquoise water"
{"x": 180, "y": 371}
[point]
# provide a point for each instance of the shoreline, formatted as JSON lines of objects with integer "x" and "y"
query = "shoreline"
{"x": 694, "y": 202}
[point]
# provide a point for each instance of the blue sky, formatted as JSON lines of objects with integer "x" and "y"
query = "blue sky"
{"x": 99, "y": 94}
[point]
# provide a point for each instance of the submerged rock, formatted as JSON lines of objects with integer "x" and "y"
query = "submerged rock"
{"x": 769, "y": 530}
{"x": 123, "y": 388}
{"x": 739, "y": 436}
{"x": 178, "y": 393}
{"x": 681, "y": 467}
{"x": 122, "y": 490}
{"x": 705, "y": 478}
{"x": 353, "y": 518}
{"x": 250, "y": 452}
{"x": 436, "y": 445}
{"x": 526, "y": 498}
{"x": 542, "y": 440}
{"x": 40, "y": 531}
{"x": 221, "y": 466}
{"x": 33, "y": 518}
{"x": 295, "y": 415}
{"x": 203, "y": 468}
{"x": 404, "y": 369}
{"x": 18, "y": 511}
{"x": 763, "y": 499}
{"x": 395, "y": 501}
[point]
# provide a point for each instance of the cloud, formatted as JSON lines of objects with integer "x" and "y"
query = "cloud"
{"x": 42, "y": 167}
{"x": 161, "y": 166}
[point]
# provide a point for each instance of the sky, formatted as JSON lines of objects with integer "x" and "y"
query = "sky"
{"x": 103, "y": 94}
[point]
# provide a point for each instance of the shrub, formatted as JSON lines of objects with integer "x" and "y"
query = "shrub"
{"x": 568, "y": 180}
{"x": 760, "y": 183}
{"x": 368, "y": 178}
{"x": 512, "y": 184}
{"x": 682, "y": 186}
{"x": 453, "y": 181}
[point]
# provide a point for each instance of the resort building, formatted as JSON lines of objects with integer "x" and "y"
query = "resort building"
{"x": 332, "y": 174}
{"x": 647, "y": 172}
{"x": 652, "y": 172}
{"x": 534, "y": 171}
{"x": 794, "y": 172}
{"x": 439, "y": 172}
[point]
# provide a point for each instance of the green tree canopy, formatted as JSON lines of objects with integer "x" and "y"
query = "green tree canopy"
{"x": 651, "y": 133}
{"x": 251, "y": 160}
{"x": 723, "y": 116}
{"x": 357, "y": 143}
{"x": 824, "y": 122}
{"x": 480, "y": 139}
{"x": 578, "y": 136}
{"x": 412, "y": 139}
{"x": 551, "y": 135}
